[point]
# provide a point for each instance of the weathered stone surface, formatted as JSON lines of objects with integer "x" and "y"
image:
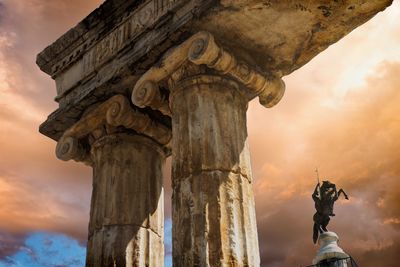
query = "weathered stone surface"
{"x": 201, "y": 49}
{"x": 126, "y": 150}
{"x": 216, "y": 223}
{"x": 213, "y": 204}
{"x": 100, "y": 23}
{"x": 209, "y": 127}
{"x": 127, "y": 214}
{"x": 107, "y": 52}
{"x": 107, "y": 46}
{"x": 113, "y": 113}
{"x": 114, "y": 64}
{"x": 125, "y": 246}
{"x": 280, "y": 36}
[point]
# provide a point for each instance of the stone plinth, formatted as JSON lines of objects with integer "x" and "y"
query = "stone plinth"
{"x": 329, "y": 250}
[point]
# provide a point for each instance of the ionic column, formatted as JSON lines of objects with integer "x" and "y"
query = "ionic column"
{"x": 126, "y": 217}
{"x": 126, "y": 150}
{"x": 213, "y": 209}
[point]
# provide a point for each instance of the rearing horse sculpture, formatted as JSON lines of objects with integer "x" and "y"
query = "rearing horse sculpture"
{"x": 324, "y": 197}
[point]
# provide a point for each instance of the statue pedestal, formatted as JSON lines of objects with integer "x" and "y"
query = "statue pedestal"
{"x": 329, "y": 251}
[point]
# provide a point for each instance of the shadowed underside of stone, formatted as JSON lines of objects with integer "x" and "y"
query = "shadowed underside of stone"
{"x": 281, "y": 36}
{"x": 108, "y": 51}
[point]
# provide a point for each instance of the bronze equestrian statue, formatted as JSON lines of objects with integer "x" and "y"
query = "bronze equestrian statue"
{"x": 324, "y": 197}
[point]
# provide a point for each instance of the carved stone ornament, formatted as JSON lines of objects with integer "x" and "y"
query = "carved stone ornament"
{"x": 114, "y": 112}
{"x": 201, "y": 49}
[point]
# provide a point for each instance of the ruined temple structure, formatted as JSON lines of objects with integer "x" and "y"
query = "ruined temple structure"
{"x": 139, "y": 81}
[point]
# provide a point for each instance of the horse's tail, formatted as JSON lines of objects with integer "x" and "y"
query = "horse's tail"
{"x": 315, "y": 233}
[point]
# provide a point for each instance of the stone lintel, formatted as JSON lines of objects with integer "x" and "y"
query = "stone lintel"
{"x": 283, "y": 35}
{"x": 107, "y": 13}
{"x": 79, "y": 54}
{"x": 108, "y": 20}
{"x": 109, "y": 51}
{"x": 296, "y": 29}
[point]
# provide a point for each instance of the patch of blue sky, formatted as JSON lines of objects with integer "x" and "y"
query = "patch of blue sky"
{"x": 168, "y": 242}
{"x": 43, "y": 249}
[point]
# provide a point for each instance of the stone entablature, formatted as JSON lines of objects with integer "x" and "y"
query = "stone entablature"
{"x": 93, "y": 53}
{"x": 277, "y": 36}
{"x": 128, "y": 19}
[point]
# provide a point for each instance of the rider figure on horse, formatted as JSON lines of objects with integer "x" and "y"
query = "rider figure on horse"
{"x": 324, "y": 197}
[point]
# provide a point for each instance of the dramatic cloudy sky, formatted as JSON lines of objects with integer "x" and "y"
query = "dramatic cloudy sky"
{"x": 341, "y": 113}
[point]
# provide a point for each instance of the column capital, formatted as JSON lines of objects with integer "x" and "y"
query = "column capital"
{"x": 113, "y": 116}
{"x": 202, "y": 50}
{"x": 179, "y": 83}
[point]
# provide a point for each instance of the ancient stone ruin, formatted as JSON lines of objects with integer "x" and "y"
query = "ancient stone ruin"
{"x": 138, "y": 81}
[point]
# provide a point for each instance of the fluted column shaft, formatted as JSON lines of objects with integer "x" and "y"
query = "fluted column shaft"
{"x": 126, "y": 217}
{"x": 213, "y": 205}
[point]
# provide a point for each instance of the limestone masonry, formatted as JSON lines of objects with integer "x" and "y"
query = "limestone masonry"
{"x": 138, "y": 81}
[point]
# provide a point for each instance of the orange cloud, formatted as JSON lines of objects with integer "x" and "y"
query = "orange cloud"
{"x": 356, "y": 145}
{"x": 340, "y": 114}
